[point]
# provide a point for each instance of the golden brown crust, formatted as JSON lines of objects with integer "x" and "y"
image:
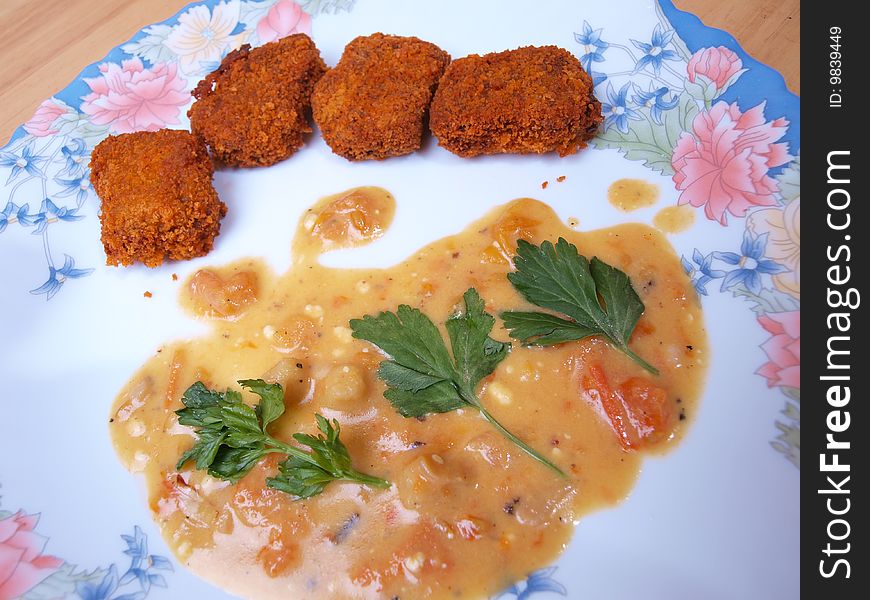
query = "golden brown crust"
{"x": 533, "y": 99}
{"x": 373, "y": 104}
{"x": 157, "y": 199}
{"x": 254, "y": 109}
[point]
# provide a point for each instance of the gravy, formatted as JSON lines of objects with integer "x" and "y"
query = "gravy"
{"x": 468, "y": 513}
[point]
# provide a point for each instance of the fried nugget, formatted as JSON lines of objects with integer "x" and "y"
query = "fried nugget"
{"x": 529, "y": 100}
{"x": 254, "y": 109}
{"x": 373, "y": 104}
{"x": 157, "y": 200}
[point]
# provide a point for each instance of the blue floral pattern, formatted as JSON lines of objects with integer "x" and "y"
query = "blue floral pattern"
{"x": 22, "y": 162}
{"x": 750, "y": 264}
{"x": 656, "y": 100}
{"x": 656, "y": 52}
{"x": 57, "y": 277}
{"x": 616, "y": 110}
{"x": 593, "y": 46}
{"x": 536, "y": 583}
{"x": 700, "y": 270}
{"x": 54, "y": 169}
{"x": 137, "y": 580}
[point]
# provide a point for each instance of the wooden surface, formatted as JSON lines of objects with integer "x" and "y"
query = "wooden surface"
{"x": 45, "y": 43}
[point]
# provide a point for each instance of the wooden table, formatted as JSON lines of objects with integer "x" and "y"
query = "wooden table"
{"x": 44, "y": 44}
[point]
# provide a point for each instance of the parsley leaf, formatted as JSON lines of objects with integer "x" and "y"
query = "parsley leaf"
{"x": 271, "y": 395}
{"x": 421, "y": 375}
{"x": 561, "y": 279}
{"x": 476, "y": 354}
{"x": 329, "y": 460}
{"x": 232, "y": 438}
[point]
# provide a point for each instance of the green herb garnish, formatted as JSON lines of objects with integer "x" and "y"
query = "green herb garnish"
{"x": 422, "y": 377}
{"x": 232, "y": 438}
{"x": 561, "y": 279}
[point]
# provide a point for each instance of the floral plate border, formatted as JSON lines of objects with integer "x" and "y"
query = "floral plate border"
{"x": 686, "y": 101}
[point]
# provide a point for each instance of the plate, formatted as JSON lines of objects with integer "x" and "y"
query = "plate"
{"x": 686, "y": 108}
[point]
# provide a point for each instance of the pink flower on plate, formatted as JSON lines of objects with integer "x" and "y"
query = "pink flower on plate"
{"x": 722, "y": 163}
{"x": 720, "y": 66}
{"x": 42, "y": 123}
{"x": 284, "y": 18}
{"x": 783, "y": 349}
{"x": 128, "y": 97}
{"x": 22, "y": 563}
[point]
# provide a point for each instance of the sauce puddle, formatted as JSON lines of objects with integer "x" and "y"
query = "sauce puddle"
{"x": 674, "y": 219}
{"x": 468, "y": 513}
{"x": 631, "y": 194}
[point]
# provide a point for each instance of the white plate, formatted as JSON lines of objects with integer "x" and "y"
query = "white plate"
{"x": 716, "y": 518}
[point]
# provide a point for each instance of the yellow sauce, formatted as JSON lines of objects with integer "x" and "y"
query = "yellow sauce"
{"x": 468, "y": 513}
{"x": 351, "y": 218}
{"x": 631, "y": 194}
{"x": 674, "y": 219}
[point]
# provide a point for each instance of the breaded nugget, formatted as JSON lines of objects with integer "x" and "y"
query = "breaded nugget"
{"x": 374, "y": 102}
{"x": 254, "y": 109}
{"x": 157, "y": 200}
{"x": 518, "y": 101}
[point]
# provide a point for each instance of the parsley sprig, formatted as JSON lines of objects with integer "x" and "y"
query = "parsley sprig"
{"x": 559, "y": 278}
{"x": 421, "y": 375}
{"x": 232, "y": 438}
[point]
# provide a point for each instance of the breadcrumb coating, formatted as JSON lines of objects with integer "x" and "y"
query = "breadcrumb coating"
{"x": 254, "y": 109}
{"x": 157, "y": 199}
{"x": 528, "y": 100}
{"x": 373, "y": 104}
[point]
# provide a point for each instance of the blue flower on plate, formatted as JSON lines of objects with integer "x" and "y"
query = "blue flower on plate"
{"x": 13, "y": 213}
{"x": 655, "y": 100}
{"x": 141, "y": 562}
{"x": 750, "y": 263}
{"x": 76, "y": 155}
{"x": 597, "y": 77}
{"x": 538, "y": 581}
{"x": 616, "y": 110}
{"x": 112, "y": 587}
{"x": 57, "y": 277}
{"x": 26, "y": 161}
{"x": 137, "y": 546}
{"x": 49, "y": 212}
{"x": 78, "y": 186}
{"x": 655, "y": 52}
{"x": 593, "y": 46}
{"x": 701, "y": 273}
